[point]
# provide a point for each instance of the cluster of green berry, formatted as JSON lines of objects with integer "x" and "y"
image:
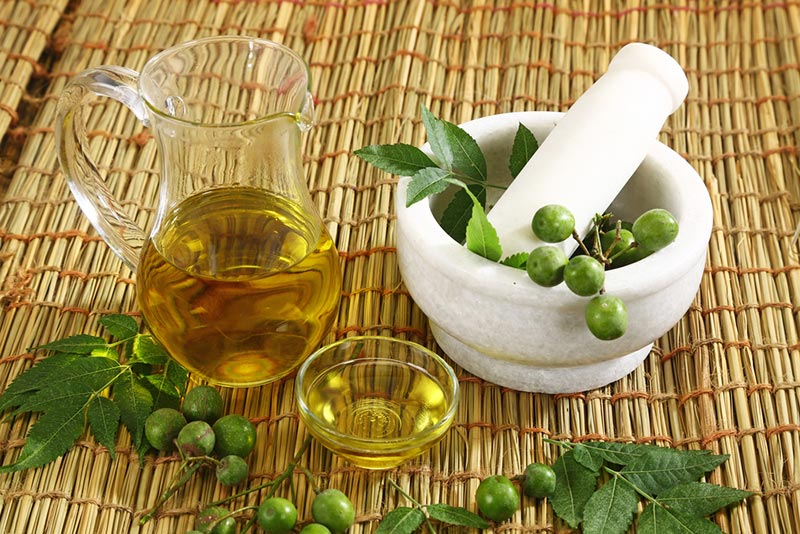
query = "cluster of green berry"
{"x": 497, "y": 496}
{"x": 200, "y": 430}
{"x": 617, "y": 244}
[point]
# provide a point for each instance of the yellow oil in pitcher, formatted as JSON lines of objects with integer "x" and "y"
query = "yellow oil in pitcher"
{"x": 239, "y": 285}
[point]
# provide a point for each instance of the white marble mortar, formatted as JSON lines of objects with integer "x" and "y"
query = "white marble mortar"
{"x": 496, "y": 323}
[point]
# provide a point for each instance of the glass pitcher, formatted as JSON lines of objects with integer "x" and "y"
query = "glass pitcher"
{"x": 237, "y": 277}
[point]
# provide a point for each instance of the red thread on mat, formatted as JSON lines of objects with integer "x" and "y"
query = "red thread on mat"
{"x": 534, "y": 430}
{"x": 629, "y": 395}
{"x": 559, "y": 396}
{"x": 671, "y": 354}
{"x": 780, "y": 429}
{"x": 476, "y": 424}
{"x": 368, "y": 252}
{"x": 589, "y": 437}
{"x": 759, "y": 387}
{"x": 52, "y": 235}
{"x": 715, "y": 436}
{"x": 693, "y": 394}
{"x": 11, "y": 112}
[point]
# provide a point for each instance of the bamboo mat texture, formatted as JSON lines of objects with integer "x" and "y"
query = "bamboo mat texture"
{"x": 725, "y": 378}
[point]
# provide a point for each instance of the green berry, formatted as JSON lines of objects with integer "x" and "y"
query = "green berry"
{"x": 655, "y": 229}
{"x": 202, "y": 403}
{"x": 539, "y": 481}
{"x": 208, "y": 521}
{"x": 235, "y": 435}
{"x": 277, "y": 515}
{"x": 607, "y": 317}
{"x": 231, "y": 470}
{"x": 497, "y": 498}
{"x": 625, "y": 240}
{"x": 162, "y": 427}
{"x": 584, "y": 275}
{"x": 196, "y": 439}
{"x": 553, "y": 223}
{"x": 333, "y": 509}
{"x": 315, "y": 528}
{"x": 546, "y": 265}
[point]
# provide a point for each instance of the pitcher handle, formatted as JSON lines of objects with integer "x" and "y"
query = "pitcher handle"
{"x": 103, "y": 210}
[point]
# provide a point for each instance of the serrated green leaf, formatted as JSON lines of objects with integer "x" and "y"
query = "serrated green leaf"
{"x": 659, "y": 468}
{"x": 482, "y": 237}
{"x": 71, "y": 384}
{"x": 120, "y": 326}
{"x": 35, "y": 378}
{"x": 106, "y": 352}
{"x": 700, "y": 498}
{"x": 656, "y": 519}
{"x": 164, "y": 392}
{"x": 177, "y": 375}
{"x": 426, "y": 182}
{"x": 616, "y": 453}
{"x": 145, "y": 349}
{"x": 103, "y": 416}
{"x": 50, "y": 436}
{"x": 575, "y": 485}
{"x": 525, "y": 145}
{"x": 456, "y": 515}
{"x": 401, "y": 520}
{"x": 588, "y": 460}
{"x": 458, "y": 212}
{"x": 517, "y": 261}
{"x": 77, "y": 344}
{"x": 464, "y": 156}
{"x": 436, "y": 137}
{"x": 135, "y": 403}
{"x": 610, "y": 509}
{"x": 400, "y": 158}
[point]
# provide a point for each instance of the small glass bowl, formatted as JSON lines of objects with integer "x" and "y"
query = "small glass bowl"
{"x": 376, "y": 401}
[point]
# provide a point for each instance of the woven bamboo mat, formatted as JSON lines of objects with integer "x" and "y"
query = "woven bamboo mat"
{"x": 725, "y": 378}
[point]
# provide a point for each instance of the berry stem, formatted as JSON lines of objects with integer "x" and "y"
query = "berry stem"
{"x": 189, "y": 471}
{"x": 273, "y": 485}
{"x": 581, "y": 244}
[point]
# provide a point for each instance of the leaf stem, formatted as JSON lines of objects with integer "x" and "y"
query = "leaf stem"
{"x": 402, "y": 492}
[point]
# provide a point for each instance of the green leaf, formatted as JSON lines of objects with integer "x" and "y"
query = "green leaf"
{"x": 78, "y": 344}
{"x": 103, "y": 416}
{"x": 660, "y": 468}
{"x": 610, "y": 509}
{"x": 616, "y": 453}
{"x": 699, "y": 498}
{"x": 458, "y": 212}
{"x": 135, "y": 403}
{"x": 456, "y": 515}
{"x": 525, "y": 145}
{"x": 464, "y": 155}
{"x": 437, "y": 138}
{"x": 146, "y": 350}
{"x": 165, "y": 394}
{"x": 120, "y": 326}
{"x": 575, "y": 485}
{"x": 401, "y": 520}
{"x": 400, "y": 159}
{"x": 481, "y": 236}
{"x": 71, "y": 384}
{"x": 517, "y": 261}
{"x": 656, "y": 519}
{"x": 106, "y": 352}
{"x": 426, "y": 182}
{"x": 177, "y": 375}
{"x": 588, "y": 460}
{"x": 50, "y": 437}
{"x": 35, "y": 378}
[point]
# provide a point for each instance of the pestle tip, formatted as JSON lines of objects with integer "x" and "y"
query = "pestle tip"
{"x": 656, "y": 62}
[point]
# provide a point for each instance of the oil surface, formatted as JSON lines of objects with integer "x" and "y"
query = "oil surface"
{"x": 239, "y": 285}
{"x": 390, "y": 410}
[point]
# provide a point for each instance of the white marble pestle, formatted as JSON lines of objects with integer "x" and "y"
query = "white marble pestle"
{"x": 595, "y": 148}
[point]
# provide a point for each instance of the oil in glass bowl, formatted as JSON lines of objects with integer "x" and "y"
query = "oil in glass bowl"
{"x": 377, "y": 401}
